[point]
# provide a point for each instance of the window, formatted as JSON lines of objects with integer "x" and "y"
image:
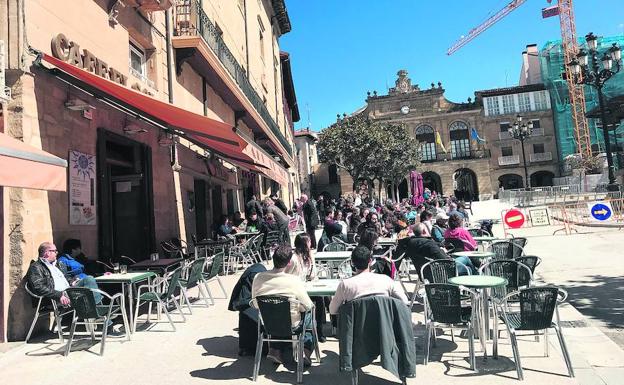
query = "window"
{"x": 426, "y": 136}
{"x": 261, "y": 37}
{"x": 491, "y": 106}
{"x": 460, "y": 142}
{"x": 504, "y": 126}
{"x": 524, "y": 102}
{"x": 541, "y": 103}
{"x": 536, "y": 123}
{"x": 538, "y": 148}
{"x": 508, "y": 104}
{"x": 507, "y": 151}
{"x": 137, "y": 61}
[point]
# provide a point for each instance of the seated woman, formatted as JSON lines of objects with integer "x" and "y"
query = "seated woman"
{"x": 331, "y": 229}
{"x": 456, "y": 230}
{"x": 225, "y": 228}
{"x": 382, "y": 265}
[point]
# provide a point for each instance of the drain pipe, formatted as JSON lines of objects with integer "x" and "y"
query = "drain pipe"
{"x": 170, "y": 73}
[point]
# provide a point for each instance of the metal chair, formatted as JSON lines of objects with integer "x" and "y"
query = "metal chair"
{"x": 150, "y": 294}
{"x": 43, "y": 309}
{"x": 213, "y": 275}
{"x": 335, "y": 246}
{"x": 271, "y": 240}
{"x": 436, "y": 271}
{"x": 345, "y": 269}
{"x": 505, "y": 250}
{"x": 195, "y": 279}
{"x": 444, "y": 304}
{"x": 453, "y": 244}
{"x": 537, "y": 307}
{"x": 518, "y": 275}
{"x": 274, "y": 325}
{"x": 479, "y": 233}
{"x": 531, "y": 262}
{"x": 85, "y": 307}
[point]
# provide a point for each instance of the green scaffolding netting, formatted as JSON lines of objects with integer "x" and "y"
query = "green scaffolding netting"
{"x": 551, "y": 64}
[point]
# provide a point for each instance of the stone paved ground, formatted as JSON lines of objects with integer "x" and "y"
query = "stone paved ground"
{"x": 204, "y": 349}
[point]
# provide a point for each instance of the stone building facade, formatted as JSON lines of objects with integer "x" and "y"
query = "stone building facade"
{"x": 461, "y": 143}
{"x": 158, "y": 172}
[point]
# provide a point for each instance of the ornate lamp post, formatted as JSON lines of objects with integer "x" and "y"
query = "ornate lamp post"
{"x": 521, "y": 131}
{"x": 591, "y": 74}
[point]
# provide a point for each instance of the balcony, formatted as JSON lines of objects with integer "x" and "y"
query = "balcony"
{"x": 540, "y": 157}
{"x": 191, "y": 22}
{"x": 472, "y": 154}
{"x": 504, "y": 135}
{"x": 510, "y": 160}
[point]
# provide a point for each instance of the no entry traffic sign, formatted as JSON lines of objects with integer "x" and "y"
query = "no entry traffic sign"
{"x": 601, "y": 211}
{"x": 514, "y": 218}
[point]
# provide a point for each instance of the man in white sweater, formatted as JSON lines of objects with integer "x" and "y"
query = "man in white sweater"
{"x": 278, "y": 282}
{"x": 365, "y": 282}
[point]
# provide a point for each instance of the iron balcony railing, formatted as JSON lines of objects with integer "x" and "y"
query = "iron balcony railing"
{"x": 472, "y": 154}
{"x": 191, "y": 20}
{"x": 505, "y": 135}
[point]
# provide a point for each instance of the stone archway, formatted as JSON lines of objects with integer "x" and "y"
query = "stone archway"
{"x": 432, "y": 181}
{"x": 465, "y": 185}
{"x": 542, "y": 178}
{"x": 510, "y": 181}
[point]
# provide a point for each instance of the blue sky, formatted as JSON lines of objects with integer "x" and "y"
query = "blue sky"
{"x": 342, "y": 48}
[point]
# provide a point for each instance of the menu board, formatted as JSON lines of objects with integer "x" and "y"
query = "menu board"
{"x": 82, "y": 210}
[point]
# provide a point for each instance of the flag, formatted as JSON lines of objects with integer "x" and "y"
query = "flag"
{"x": 438, "y": 140}
{"x": 550, "y": 11}
{"x": 475, "y": 135}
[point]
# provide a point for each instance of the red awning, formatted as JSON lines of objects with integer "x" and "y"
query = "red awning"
{"x": 217, "y": 135}
{"x": 25, "y": 166}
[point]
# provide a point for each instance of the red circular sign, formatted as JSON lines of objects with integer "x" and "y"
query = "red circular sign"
{"x": 514, "y": 218}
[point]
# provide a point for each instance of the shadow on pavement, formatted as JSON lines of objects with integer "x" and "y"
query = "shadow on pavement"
{"x": 600, "y": 297}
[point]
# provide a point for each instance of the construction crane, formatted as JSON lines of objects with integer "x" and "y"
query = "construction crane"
{"x": 569, "y": 46}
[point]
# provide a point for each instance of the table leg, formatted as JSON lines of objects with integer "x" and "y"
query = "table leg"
{"x": 485, "y": 321}
{"x": 131, "y": 301}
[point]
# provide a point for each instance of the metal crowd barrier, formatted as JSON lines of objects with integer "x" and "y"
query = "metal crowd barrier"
{"x": 553, "y": 195}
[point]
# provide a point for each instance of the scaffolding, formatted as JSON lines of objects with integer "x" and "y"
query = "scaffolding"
{"x": 552, "y": 61}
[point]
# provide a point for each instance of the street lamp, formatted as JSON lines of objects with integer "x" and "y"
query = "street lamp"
{"x": 591, "y": 74}
{"x": 521, "y": 131}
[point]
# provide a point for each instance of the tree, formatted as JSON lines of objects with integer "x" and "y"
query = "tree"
{"x": 369, "y": 149}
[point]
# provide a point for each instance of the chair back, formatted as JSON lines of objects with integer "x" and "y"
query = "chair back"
{"x": 345, "y": 269}
{"x": 195, "y": 273}
{"x": 272, "y": 238}
{"x": 217, "y": 263}
{"x": 335, "y": 246}
{"x": 520, "y": 241}
{"x": 537, "y": 306}
{"x": 531, "y": 261}
{"x": 275, "y": 314}
{"x": 517, "y": 274}
{"x": 479, "y": 233}
{"x": 438, "y": 271}
{"x": 83, "y": 302}
{"x": 173, "y": 282}
{"x": 444, "y": 302}
{"x": 351, "y": 237}
{"x": 30, "y": 292}
{"x": 453, "y": 244}
{"x": 506, "y": 249}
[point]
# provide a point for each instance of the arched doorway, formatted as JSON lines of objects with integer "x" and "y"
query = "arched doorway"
{"x": 465, "y": 185}
{"x": 542, "y": 178}
{"x": 460, "y": 140}
{"x": 432, "y": 181}
{"x": 510, "y": 181}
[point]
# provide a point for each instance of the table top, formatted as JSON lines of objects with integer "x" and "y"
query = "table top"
{"x": 478, "y": 281}
{"x": 125, "y": 278}
{"x": 246, "y": 233}
{"x": 332, "y": 255}
{"x": 322, "y": 287}
{"x": 386, "y": 241}
{"x": 485, "y": 238}
{"x": 474, "y": 254}
{"x": 212, "y": 242}
{"x": 163, "y": 262}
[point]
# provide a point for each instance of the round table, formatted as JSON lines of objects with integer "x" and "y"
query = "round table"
{"x": 482, "y": 283}
{"x": 474, "y": 254}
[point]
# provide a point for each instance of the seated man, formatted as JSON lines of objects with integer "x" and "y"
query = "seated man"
{"x": 47, "y": 280}
{"x": 278, "y": 282}
{"x": 365, "y": 282}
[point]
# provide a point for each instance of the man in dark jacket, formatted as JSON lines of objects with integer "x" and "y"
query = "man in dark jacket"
{"x": 310, "y": 217}
{"x": 280, "y": 217}
{"x": 44, "y": 278}
{"x": 253, "y": 204}
{"x": 279, "y": 203}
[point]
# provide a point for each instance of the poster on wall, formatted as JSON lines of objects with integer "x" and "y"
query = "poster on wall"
{"x": 81, "y": 189}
